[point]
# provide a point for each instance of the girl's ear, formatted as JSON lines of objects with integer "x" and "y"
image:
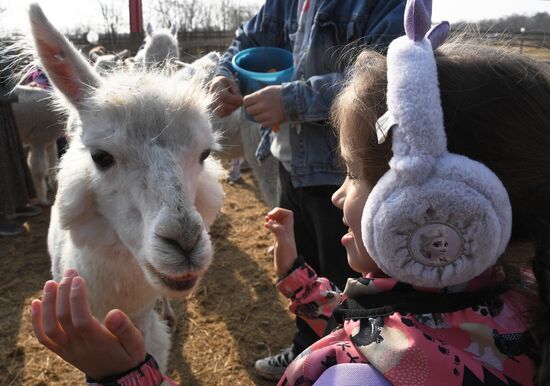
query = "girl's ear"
{"x": 68, "y": 70}
{"x": 209, "y": 199}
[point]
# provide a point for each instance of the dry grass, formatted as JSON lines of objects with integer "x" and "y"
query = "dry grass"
{"x": 233, "y": 317}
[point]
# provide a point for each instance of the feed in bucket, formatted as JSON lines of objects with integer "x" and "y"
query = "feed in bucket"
{"x": 258, "y": 67}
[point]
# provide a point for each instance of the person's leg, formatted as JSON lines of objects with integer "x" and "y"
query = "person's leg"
{"x": 235, "y": 172}
{"x": 9, "y": 228}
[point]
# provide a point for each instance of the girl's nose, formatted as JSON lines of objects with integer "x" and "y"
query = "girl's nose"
{"x": 338, "y": 197}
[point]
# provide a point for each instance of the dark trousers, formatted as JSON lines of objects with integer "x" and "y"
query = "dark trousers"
{"x": 318, "y": 228}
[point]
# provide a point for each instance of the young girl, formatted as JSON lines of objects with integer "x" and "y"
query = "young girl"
{"x": 496, "y": 110}
{"x": 468, "y": 328}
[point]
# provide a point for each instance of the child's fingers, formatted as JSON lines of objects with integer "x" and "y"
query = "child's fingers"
{"x": 63, "y": 308}
{"x": 82, "y": 318}
{"x": 50, "y": 325}
{"x": 36, "y": 321}
{"x": 127, "y": 333}
{"x": 274, "y": 227}
{"x": 279, "y": 214}
{"x": 71, "y": 272}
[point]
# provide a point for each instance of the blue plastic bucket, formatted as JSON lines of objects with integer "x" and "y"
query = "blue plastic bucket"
{"x": 258, "y": 67}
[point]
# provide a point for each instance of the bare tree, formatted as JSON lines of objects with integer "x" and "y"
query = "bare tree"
{"x": 194, "y": 15}
{"x": 206, "y": 19}
{"x": 112, "y": 18}
{"x": 224, "y": 10}
{"x": 231, "y": 15}
{"x": 164, "y": 12}
{"x": 184, "y": 12}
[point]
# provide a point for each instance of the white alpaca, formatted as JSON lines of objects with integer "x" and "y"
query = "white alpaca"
{"x": 137, "y": 190}
{"x": 39, "y": 125}
{"x": 160, "y": 47}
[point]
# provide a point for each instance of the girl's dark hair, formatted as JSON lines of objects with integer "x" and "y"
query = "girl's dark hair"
{"x": 496, "y": 108}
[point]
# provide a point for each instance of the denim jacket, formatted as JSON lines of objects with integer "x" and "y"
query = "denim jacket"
{"x": 308, "y": 96}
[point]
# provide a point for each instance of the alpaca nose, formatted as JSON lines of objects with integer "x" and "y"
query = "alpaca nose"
{"x": 180, "y": 232}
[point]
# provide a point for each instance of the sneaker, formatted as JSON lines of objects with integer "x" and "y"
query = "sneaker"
{"x": 274, "y": 367}
{"x": 25, "y": 211}
{"x": 11, "y": 229}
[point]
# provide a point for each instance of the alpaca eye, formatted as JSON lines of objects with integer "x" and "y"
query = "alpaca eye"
{"x": 204, "y": 155}
{"x": 103, "y": 159}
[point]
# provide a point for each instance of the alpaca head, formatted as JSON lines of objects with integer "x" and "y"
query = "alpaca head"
{"x": 161, "y": 46}
{"x": 137, "y": 173}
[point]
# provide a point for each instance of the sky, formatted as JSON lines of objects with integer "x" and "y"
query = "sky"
{"x": 70, "y": 14}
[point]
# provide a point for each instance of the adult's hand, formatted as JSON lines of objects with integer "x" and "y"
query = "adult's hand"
{"x": 227, "y": 95}
{"x": 266, "y": 106}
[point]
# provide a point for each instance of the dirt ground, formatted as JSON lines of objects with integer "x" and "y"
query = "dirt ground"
{"x": 233, "y": 317}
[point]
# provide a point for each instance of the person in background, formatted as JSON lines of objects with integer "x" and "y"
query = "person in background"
{"x": 319, "y": 33}
{"x": 16, "y": 187}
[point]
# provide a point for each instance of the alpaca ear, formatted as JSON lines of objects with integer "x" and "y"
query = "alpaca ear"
{"x": 68, "y": 70}
{"x": 209, "y": 198}
{"x": 149, "y": 29}
{"x": 174, "y": 28}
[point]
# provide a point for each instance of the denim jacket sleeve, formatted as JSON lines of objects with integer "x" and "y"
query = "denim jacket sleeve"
{"x": 310, "y": 99}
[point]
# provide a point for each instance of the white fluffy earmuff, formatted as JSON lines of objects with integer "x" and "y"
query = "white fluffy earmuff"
{"x": 435, "y": 219}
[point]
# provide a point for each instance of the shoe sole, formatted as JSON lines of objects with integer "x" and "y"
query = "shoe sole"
{"x": 22, "y": 215}
{"x": 12, "y": 233}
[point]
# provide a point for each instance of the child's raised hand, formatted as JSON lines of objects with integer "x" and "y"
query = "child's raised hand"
{"x": 63, "y": 323}
{"x": 281, "y": 222}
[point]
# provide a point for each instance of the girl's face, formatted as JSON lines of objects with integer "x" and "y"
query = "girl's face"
{"x": 351, "y": 198}
{"x": 438, "y": 248}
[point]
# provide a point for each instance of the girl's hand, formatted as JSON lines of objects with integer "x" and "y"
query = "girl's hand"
{"x": 266, "y": 106}
{"x": 63, "y": 323}
{"x": 281, "y": 222}
{"x": 227, "y": 96}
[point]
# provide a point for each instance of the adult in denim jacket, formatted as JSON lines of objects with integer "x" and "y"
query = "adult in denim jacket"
{"x": 313, "y": 171}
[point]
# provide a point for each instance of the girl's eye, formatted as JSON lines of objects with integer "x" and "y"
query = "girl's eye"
{"x": 351, "y": 176}
{"x": 102, "y": 159}
{"x": 204, "y": 155}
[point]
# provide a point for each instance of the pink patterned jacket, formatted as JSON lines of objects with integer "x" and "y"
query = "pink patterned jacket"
{"x": 474, "y": 334}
